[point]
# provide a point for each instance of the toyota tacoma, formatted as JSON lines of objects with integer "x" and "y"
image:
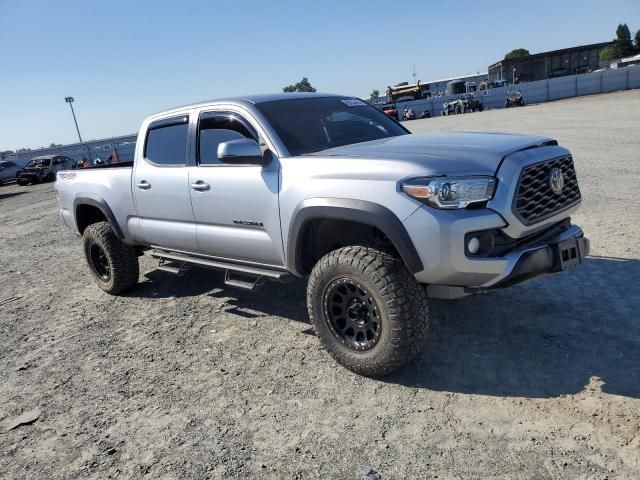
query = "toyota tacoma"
{"x": 330, "y": 188}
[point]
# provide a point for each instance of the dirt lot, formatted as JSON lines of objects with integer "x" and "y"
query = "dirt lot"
{"x": 182, "y": 379}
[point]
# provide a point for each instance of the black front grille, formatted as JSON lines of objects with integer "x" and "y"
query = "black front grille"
{"x": 535, "y": 200}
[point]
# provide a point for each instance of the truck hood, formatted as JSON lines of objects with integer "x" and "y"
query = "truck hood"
{"x": 441, "y": 153}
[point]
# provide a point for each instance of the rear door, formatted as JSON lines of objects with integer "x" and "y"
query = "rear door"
{"x": 160, "y": 185}
{"x": 235, "y": 206}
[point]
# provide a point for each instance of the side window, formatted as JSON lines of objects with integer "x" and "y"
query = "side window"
{"x": 166, "y": 142}
{"x": 216, "y": 128}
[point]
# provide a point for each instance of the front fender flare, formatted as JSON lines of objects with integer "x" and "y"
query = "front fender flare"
{"x": 360, "y": 211}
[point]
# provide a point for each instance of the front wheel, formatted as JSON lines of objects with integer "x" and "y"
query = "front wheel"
{"x": 113, "y": 264}
{"x": 367, "y": 309}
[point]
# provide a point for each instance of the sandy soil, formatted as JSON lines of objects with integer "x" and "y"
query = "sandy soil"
{"x": 182, "y": 379}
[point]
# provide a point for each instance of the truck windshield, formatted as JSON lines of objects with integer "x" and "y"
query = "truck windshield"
{"x": 307, "y": 125}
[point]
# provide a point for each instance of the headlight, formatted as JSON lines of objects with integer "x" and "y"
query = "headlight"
{"x": 450, "y": 192}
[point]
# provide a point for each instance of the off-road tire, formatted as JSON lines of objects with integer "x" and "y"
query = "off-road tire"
{"x": 51, "y": 177}
{"x": 403, "y": 308}
{"x": 21, "y": 183}
{"x": 122, "y": 259}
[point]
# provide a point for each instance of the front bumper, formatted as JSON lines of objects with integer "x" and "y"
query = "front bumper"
{"x": 566, "y": 250}
{"x": 29, "y": 176}
{"x": 450, "y": 271}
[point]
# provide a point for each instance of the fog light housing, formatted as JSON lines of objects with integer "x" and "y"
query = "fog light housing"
{"x": 473, "y": 246}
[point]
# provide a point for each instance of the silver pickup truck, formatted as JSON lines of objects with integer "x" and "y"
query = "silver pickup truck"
{"x": 330, "y": 188}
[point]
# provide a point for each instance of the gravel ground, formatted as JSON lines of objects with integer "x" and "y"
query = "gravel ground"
{"x": 182, "y": 379}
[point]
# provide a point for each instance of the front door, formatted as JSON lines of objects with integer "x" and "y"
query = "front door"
{"x": 161, "y": 186}
{"x": 235, "y": 206}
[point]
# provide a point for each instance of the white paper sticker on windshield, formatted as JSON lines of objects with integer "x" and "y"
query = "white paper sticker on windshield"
{"x": 352, "y": 102}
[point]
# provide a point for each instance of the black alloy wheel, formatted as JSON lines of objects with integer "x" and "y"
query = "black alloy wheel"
{"x": 352, "y": 314}
{"x": 99, "y": 262}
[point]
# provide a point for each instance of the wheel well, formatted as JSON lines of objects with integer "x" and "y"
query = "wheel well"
{"x": 320, "y": 236}
{"x": 87, "y": 215}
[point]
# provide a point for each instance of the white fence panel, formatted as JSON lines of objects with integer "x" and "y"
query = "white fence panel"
{"x": 615, "y": 79}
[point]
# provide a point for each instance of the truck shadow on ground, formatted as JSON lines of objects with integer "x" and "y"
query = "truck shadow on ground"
{"x": 4, "y": 196}
{"x": 542, "y": 339}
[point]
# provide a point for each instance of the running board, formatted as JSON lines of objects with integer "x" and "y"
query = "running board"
{"x": 220, "y": 265}
{"x": 250, "y": 284}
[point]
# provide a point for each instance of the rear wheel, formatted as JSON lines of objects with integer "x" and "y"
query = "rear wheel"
{"x": 113, "y": 264}
{"x": 367, "y": 309}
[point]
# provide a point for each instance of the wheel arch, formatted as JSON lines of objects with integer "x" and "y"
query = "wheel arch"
{"x": 88, "y": 210}
{"x": 349, "y": 210}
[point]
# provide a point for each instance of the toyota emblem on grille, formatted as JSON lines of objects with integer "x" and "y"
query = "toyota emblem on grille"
{"x": 556, "y": 181}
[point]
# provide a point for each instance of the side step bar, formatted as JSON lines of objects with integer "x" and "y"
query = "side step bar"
{"x": 221, "y": 265}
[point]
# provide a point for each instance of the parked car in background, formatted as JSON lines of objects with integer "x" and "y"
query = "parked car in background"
{"x": 451, "y": 107}
{"x": 44, "y": 169}
{"x": 8, "y": 171}
{"x": 466, "y": 103}
{"x": 391, "y": 110}
{"x": 514, "y": 99}
{"x": 472, "y": 103}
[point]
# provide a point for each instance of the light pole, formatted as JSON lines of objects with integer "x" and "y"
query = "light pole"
{"x": 69, "y": 100}
{"x": 514, "y": 76}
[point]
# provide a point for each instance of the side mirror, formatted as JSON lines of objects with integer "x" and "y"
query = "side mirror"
{"x": 241, "y": 151}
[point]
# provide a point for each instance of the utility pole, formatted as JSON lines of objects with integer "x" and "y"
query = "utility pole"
{"x": 70, "y": 100}
{"x": 414, "y": 74}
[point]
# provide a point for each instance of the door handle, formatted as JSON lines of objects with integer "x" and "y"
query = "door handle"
{"x": 200, "y": 186}
{"x": 143, "y": 184}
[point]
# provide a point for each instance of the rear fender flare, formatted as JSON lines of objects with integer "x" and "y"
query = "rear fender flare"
{"x": 101, "y": 205}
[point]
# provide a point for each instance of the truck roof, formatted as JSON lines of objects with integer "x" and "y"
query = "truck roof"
{"x": 253, "y": 99}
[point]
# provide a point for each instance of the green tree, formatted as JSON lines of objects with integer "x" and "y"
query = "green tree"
{"x": 636, "y": 41}
{"x": 517, "y": 53}
{"x": 623, "y": 39}
{"x": 302, "y": 86}
{"x": 622, "y": 33}
{"x": 401, "y": 84}
{"x": 375, "y": 95}
{"x": 610, "y": 53}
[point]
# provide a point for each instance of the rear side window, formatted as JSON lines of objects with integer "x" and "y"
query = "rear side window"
{"x": 166, "y": 142}
{"x": 216, "y": 128}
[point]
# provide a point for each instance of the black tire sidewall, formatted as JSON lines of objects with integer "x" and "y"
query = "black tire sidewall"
{"x": 89, "y": 237}
{"x": 328, "y": 338}
{"x": 401, "y": 301}
{"x": 123, "y": 261}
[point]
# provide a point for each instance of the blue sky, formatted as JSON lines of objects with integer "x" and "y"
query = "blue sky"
{"x": 123, "y": 60}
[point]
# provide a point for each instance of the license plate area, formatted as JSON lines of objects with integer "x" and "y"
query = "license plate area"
{"x": 568, "y": 253}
